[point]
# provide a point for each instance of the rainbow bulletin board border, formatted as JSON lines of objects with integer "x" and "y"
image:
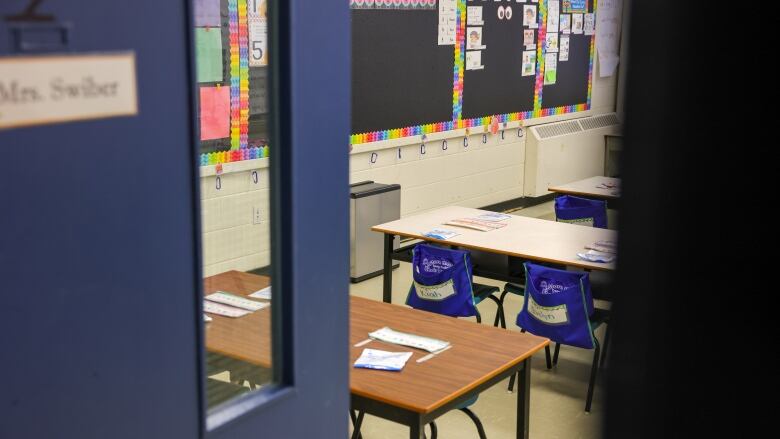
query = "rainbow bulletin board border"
{"x": 457, "y": 93}
{"x": 392, "y": 4}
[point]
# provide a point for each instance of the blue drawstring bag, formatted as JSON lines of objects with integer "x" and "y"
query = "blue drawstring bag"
{"x": 582, "y": 211}
{"x": 442, "y": 281}
{"x": 558, "y": 305}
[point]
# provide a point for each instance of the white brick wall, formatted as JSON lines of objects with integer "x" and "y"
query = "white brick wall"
{"x": 488, "y": 170}
{"x": 231, "y": 240}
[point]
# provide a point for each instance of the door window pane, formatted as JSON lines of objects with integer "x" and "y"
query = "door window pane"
{"x": 232, "y": 72}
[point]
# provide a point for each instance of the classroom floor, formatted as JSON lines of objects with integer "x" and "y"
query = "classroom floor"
{"x": 557, "y": 395}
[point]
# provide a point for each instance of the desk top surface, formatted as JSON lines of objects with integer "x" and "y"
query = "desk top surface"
{"x": 523, "y": 237}
{"x": 590, "y": 187}
{"x": 246, "y": 338}
{"x": 479, "y": 352}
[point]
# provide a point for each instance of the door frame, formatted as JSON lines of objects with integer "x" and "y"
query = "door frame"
{"x": 309, "y": 65}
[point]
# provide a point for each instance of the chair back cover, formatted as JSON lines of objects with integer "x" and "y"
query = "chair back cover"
{"x": 442, "y": 281}
{"x": 557, "y": 305}
{"x": 582, "y": 211}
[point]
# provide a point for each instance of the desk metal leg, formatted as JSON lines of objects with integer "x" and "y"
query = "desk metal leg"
{"x": 387, "y": 273}
{"x": 523, "y": 399}
{"x": 415, "y": 430}
{"x": 357, "y": 423}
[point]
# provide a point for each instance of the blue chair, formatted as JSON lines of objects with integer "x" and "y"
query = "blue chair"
{"x": 558, "y": 305}
{"x": 582, "y": 211}
{"x": 443, "y": 284}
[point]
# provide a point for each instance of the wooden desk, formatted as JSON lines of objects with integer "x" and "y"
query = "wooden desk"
{"x": 247, "y": 338}
{"x": 589, "y": 188}
{"x": 525, "y": 238}
{"x": 480, "y": 356}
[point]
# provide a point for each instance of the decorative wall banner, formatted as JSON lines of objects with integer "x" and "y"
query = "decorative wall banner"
{"x": 392, "y": 4}
{"x": 569, "y": 6}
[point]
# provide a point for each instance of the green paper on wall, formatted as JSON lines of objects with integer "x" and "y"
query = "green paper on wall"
{"x": 208, "y": 42}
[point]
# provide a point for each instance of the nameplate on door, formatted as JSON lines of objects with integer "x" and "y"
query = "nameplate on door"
{"x": 38, "y": 90}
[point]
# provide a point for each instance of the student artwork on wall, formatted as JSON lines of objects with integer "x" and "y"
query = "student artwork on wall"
{"x": 208, "y": 47}
{"x": 529, "y": 63}
{"x": 214, "y": 112}
{"x": 563, "y": 48}
{"x": 555, "y": 50}
{"x": 207, "y": 13}
{"x": 258, "y": 33}
{"x": 528, "y": 39}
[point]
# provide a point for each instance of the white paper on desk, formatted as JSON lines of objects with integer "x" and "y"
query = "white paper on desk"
{"x": 207, "y": 318}
{"x": 388, "y": 335}
{"x": 476, "y": 224}
{"x": 223, "y": 310}
{"x": 594, "y": 256}
{"x": 601, "y": 249}
{"x": 265, "y": 293}
{"x": 235, "y": 301}
{"x": 382, "y": 360}
{"x": 493, "y": 216}
{"x": 442, "y": 234}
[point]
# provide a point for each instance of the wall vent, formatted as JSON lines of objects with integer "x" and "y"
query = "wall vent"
{"x": 557, "y": 129}
{"x": 596, "y": 122}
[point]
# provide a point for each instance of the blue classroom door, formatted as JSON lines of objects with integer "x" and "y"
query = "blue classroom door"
{"x": 100, "y": 240}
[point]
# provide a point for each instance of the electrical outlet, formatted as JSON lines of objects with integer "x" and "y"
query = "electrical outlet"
{"x": 256, "y": 215}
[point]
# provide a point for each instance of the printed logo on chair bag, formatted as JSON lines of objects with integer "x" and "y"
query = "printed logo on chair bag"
{"x": 579, "y": 221}
{"x": 550, "y": 315}
{"x": 436, "y": 265}
{"x": 550, "y": 287}
{"x": 435, "y": 292}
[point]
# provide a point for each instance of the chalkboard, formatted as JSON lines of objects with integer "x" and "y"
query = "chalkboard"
{"x": 402, "y": 78}
{"x": 571, "y": 87}
{"x": 400, "y": 75}
{"x": 499, "y": 88}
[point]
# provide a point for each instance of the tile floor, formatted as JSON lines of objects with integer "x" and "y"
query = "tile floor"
{"x": 557, "y": 395}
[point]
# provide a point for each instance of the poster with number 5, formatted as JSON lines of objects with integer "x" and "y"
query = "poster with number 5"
{"x": 258, "y": 33}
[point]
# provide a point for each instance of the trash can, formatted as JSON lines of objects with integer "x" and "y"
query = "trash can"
{"x": 370, "y": 204}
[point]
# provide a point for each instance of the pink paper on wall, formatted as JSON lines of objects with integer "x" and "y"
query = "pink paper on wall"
{"x": 214, "y": 112}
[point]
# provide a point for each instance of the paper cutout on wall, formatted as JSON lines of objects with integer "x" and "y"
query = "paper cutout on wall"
{"x": 214, "y": 112}
{"x": 608, "y": 35}
{"x": 207, "y": 13}
{"x": 258, "y": 33}
{"x": 208, "y": 46}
